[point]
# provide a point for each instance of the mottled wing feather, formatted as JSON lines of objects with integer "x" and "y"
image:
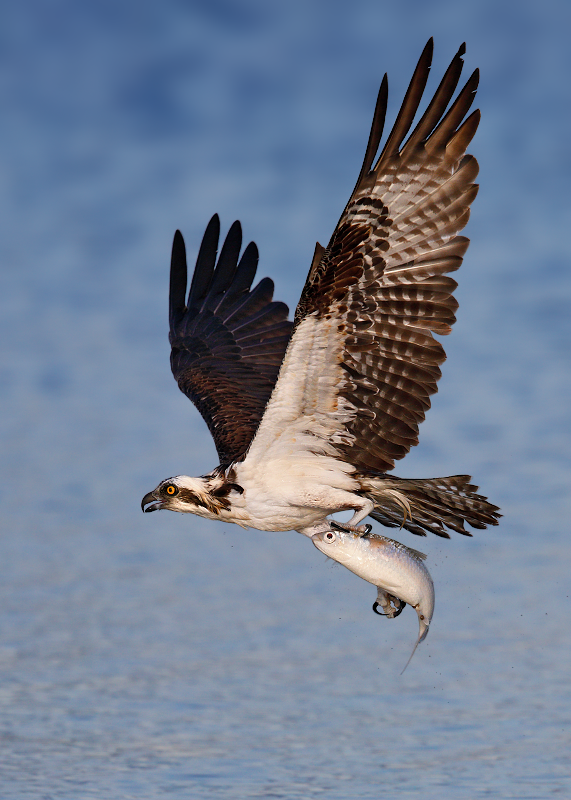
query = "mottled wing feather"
{"x": 227, "y": 340}
{"x": 384, "y": 274}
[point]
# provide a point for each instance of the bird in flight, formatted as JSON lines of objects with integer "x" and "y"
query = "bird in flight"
{"x": 308, "y": 417}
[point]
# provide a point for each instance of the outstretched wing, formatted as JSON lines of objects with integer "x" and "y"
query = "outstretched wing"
{"x": 227, "y": 340}
{"x": 379, "y": 291}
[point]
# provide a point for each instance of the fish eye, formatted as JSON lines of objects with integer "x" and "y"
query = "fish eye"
{"x": 329, "y": 537}
{"x": 171, "y": 490}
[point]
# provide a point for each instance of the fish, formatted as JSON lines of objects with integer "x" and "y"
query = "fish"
{"x": 398, "y": 572}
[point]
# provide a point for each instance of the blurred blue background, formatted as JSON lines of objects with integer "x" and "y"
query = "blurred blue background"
{"x": 150, "y": 656}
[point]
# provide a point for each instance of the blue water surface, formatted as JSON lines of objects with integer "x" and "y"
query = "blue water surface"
{"x": 160, "y": 655}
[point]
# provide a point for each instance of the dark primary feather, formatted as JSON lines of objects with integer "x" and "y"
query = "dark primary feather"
{"x": 227, "y": 340}
{"x": 384, "y": 272}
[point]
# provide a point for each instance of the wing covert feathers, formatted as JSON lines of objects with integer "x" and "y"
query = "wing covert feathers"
{"x": 227, "y": 340}
{"x": 384, "y": 275}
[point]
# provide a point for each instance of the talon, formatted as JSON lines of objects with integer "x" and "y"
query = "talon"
{"x": 392, "y": 614}
{"x": 362, "y": 530}
{"x": 399, "y": 610}
{"x": 401, "y": 501}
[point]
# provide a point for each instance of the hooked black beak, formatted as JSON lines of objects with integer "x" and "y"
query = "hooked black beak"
{"x": 150, "y": 500}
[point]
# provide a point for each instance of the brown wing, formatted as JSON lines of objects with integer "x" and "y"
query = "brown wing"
{"x": 384, "y": 273}
{"x": 228, "y": 340}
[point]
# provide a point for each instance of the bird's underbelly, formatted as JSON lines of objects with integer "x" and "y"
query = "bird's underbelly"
{"x": 283, "y": 496}
{"x": 283, "y": 518}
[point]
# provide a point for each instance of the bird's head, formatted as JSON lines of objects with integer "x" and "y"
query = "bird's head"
{"x": 184, "y": 494}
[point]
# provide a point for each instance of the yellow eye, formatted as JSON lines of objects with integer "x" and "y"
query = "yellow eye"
{"x": 171, "y": 489}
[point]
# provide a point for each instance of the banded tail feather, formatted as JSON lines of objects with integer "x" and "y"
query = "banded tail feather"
{"x": 430, "y": 504}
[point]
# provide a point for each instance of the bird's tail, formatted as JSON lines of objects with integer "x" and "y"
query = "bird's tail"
{"x": 432, "y": 504}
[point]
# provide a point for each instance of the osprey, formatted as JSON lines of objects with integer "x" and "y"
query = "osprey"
{"x": 308, "y": 417}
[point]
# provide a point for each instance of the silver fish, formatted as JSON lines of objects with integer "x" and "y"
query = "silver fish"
{"x": 397, "y": 571}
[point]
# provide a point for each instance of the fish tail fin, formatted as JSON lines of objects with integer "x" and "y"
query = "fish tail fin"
{"x": 411, "y": 655}
{"x": 429, "y": 504}
{"x": 423, "y": 631}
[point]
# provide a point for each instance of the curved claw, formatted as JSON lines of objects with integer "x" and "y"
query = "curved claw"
{"x": 338, "y": 526}
{"x": 396, "y": 613}
{"x": 399, "y": 611}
